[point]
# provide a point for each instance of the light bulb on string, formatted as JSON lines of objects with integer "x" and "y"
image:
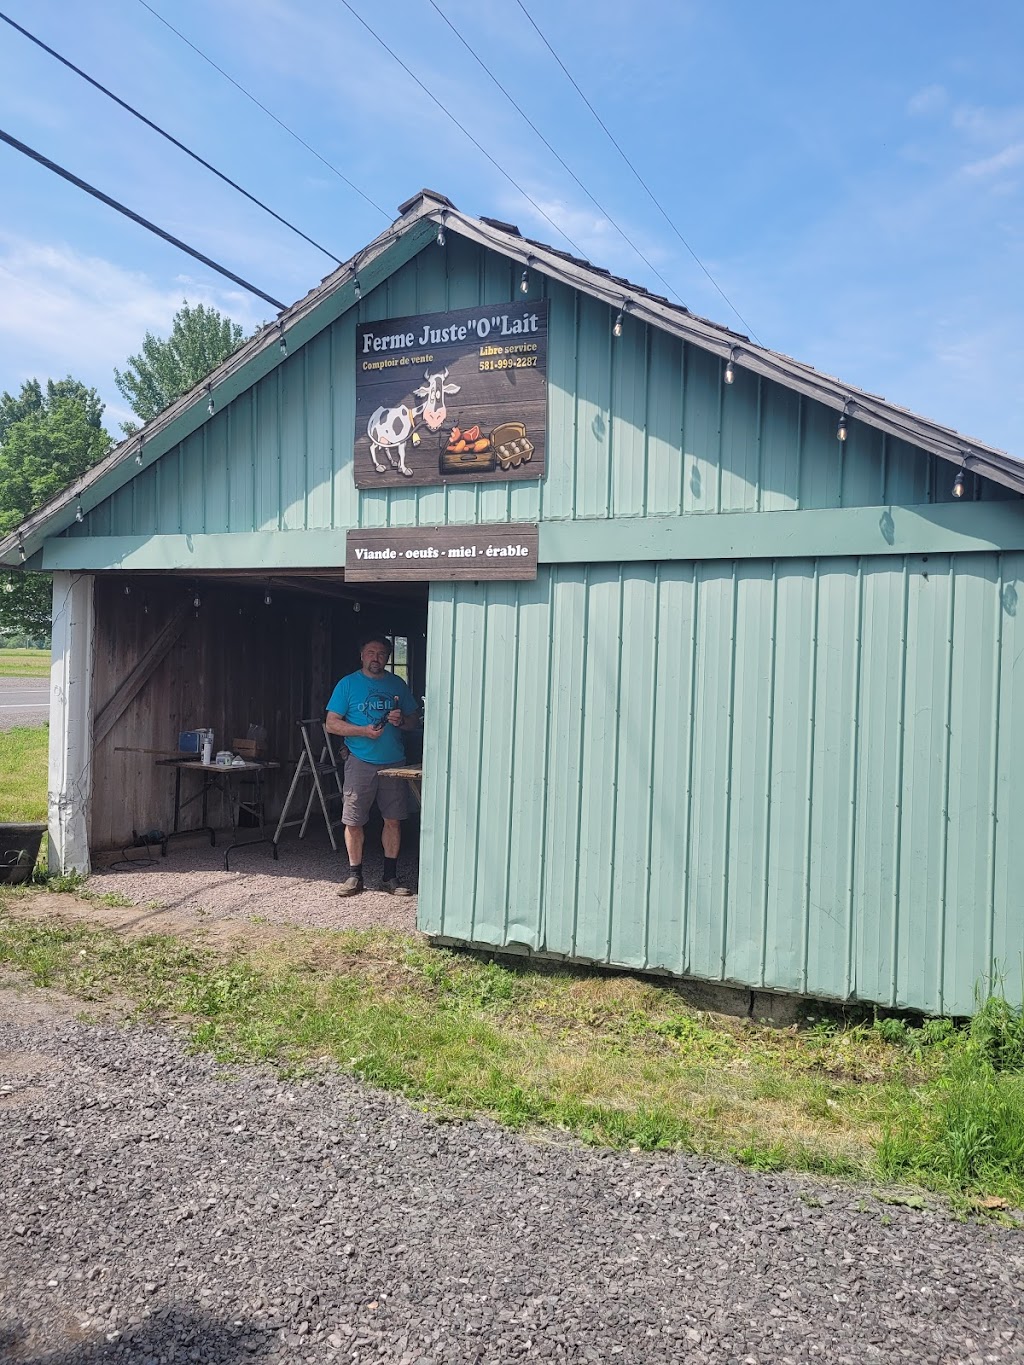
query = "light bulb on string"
{"x": 197, "y": 601}
{"x": 79, "y": 514}
{"x": 524, "y": 283}
{"x": 842, "y": 429}
{"x": 617, "y": 329}
{"x": 211, "y": 406}
{"x": 282, "y": 343}
{"x": 138, "y": 454}
{"x": 960, "y": 483}
{"x": 357, "y": 606}
{"x": 440, "y": 231}
{"x": 730, "y": 371}
{"x": 357, "y": 289}
{"x": 267, "y": 599}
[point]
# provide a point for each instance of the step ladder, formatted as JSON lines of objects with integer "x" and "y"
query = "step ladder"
{"x": 327, "y": 786}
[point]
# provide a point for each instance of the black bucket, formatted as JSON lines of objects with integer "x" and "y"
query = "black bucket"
{"x": 19, "y": 848}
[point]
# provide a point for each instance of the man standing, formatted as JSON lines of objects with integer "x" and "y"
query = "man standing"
{"x": 370, "y": 709}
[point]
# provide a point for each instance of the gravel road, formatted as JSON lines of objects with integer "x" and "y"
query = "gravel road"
{"x": 157, "y": 1207}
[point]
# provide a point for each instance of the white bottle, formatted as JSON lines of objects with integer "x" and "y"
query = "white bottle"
{"x": 208, "y": 747}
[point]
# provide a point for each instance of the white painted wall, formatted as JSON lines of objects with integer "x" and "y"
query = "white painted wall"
{"x": 70, "y": 765}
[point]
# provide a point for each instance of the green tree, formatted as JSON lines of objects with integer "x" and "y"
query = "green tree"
{"x": 200, "y": 339}
{"x": 48, "y": 438}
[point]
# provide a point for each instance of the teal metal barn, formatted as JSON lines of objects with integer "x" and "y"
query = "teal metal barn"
{"x": 759, "y": 717}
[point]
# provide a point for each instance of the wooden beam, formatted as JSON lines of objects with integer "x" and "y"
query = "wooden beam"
{"x": 140, "y": 675}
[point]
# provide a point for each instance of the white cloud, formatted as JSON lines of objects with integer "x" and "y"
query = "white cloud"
{"x": 994, "y": 165}
{"x": 66, "y": 312}
{"x": 930, "y": 100}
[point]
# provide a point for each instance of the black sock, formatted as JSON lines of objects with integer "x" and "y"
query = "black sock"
{"x": 355, "y": 870}
{"x": 390, "y": 869}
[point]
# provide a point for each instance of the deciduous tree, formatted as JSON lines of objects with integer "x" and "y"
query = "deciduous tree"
{"x": 164, "y": 369}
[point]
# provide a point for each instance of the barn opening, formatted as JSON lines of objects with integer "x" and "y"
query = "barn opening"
{"x": 228, "y": 652}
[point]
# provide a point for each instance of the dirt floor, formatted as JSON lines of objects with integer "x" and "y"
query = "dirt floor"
{"x": 190, "y": 890}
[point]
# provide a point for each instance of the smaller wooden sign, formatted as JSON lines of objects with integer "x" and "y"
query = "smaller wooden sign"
{"x": 441, "y": 553}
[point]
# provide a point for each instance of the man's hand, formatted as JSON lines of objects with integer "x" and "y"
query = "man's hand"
{"x": 375, "y": 730}
{"x": 395, "y": 716}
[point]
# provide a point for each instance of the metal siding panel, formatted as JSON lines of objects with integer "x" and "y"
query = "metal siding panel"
{"x": 536, "y": 736}
{"x": 878, "y": 779}
{"x": 215, "y": 464}
{"x": 432, "y": 904}
{"x": 556, "y": 494}
{"x": 145, "y": 493}
{"x": 740, "y": 449}
{"x": 863, "y": 474}
{"x": 465, "y": 759}
{"x": 832, "y": 774}
{"x": 168, "y": 507}
{"x": 780, "y": 448}
{"x": 294, "y": 475}
{"x": 906, "y": 473}
{"x": 602, "y": 708}
{"x": 593, "y": 395}
{"x": 665, "y": 464}
{"x": 670, "y": 765}
{"x": 820, "y": 455}
{"x": 569, "y": 661}
{"x": 319, "y": 454}
{"x": 701, "y": 431}
{"x": 751, "y": 751}
{"x": 193, "y": 473}
{"x": 1006, "y": 916}
{"x": 498, "y": 705}
{"x": 711, "y": 759}
{"x": 969, "y": 781}
{"x": 268, "y": 454}
{"x": 793, "y": 709}
{"x": 922, "y": 837}
{"x": 628, "y": 420}
{"x": 241, "y": 463}
{"x": 343, "y": 418}
{"x": 640, "y": 731}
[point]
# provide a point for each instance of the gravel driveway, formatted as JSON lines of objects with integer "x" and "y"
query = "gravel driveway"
{"x": 157, "y": 1207}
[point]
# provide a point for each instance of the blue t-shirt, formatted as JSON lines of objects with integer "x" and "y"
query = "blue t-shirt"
{"x": 362, "y": 701}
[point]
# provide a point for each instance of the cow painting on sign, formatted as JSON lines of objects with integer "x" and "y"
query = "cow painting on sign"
{"x": 390, "y": 429}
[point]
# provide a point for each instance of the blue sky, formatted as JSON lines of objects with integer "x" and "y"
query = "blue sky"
{"x": 850, "y": 174}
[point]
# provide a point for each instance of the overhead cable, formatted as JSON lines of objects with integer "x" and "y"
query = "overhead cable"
{"x": 163, "y": 133}
{"x": 568, "y": 169}
{"x": 136, "y": 218}
{"x": 636, "y": 173}
{"x": 461, "y": 127}
{"x": 250, "y": 96}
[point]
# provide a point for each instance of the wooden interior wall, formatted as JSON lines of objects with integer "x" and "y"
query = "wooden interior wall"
{"x": 237, "y": 662}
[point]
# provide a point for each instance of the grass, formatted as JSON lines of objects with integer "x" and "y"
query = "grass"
{"x": 23, "y": 758}
{"x": 610, "y": 1060}
{"x": 24, "y": 663}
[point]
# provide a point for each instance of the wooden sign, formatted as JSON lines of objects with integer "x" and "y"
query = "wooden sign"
{"x": 455, "y": 397}
{"x": 424, "y": 553}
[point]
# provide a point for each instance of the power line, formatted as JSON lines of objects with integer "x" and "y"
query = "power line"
{"x": 568, "y": 169}
{"x": 461, "y": 127}
{"x": 636, "y": 173}
{"x": 136, "y": 218}
{"x": 163, "y": 133}
{"x": 280, "y": 123}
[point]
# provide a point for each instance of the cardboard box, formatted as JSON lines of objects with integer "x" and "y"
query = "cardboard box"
{"x": 249, "y": 749}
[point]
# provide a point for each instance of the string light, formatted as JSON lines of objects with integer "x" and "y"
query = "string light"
{"x": 617, "y": 329}
{"x": 842, "y": 430}
{"x": 267, "y": 599}
{"x": 197, "y": 600}
{"x": 357, "y": 288}
{"x": 21, "y": 547}
{"x": 127, "y": 590}
{"x": 211, "y": 406}
{"x": 138, "y": 453}
{"x": 283, "y": 340}
{"x": 730, "y": 370}
{"x": 357, "y": 606}
{"x": 524, "y": 283}
{"x": 440, "y": 231}
{"x": 960, "y": 482}
{"x": 79, "y": 514}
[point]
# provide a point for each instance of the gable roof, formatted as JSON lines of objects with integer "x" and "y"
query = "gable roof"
{"x": 419, "y": 221}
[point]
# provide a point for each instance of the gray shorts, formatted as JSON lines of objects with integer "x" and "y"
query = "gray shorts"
{"x": 363, "y": 786}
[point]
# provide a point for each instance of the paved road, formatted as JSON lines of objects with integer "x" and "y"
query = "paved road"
{"x": 23, "y": 701}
